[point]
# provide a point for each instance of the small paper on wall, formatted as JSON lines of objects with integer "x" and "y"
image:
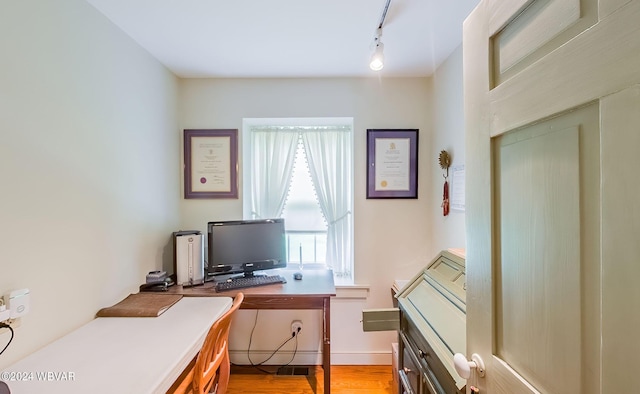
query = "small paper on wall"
{"x": 457, "y": 188}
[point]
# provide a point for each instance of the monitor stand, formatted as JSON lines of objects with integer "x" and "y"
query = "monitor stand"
{"x": 246, "y": 274}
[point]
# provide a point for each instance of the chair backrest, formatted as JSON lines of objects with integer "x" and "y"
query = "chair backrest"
{"x": 213, "y": 358}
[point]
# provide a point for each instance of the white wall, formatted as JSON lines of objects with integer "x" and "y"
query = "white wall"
{"x": 89, "y": 165}
{"x": 448, "y": 117}
{"x": 391, "y": 236}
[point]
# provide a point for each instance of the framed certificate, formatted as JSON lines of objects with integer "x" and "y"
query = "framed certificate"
{"x": 392, "y": 163}
{"x": 211, "y": 163}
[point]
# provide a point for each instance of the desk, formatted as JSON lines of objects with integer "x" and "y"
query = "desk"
{"x": 120, "y": 354}
{"x": 314, "y": 291}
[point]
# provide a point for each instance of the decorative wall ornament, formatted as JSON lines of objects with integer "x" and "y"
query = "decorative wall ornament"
{"x": 445, "y": 162}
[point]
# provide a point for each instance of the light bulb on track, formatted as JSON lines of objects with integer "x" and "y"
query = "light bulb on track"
{"x": 377, "y": 59}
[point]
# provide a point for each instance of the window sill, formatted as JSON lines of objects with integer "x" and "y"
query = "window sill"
{"x": 345, "y": 288}
{"x": 351, "y": 291}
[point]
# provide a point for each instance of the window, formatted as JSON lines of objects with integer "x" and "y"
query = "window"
{"x": 302, "y": 170}
{"x": 306, "y": 225}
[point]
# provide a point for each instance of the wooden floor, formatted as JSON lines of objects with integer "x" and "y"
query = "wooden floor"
{"x": 347, "y": 379}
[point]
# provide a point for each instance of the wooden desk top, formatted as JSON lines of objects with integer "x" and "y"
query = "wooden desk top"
{"x": 314, "y": 283}
{"x": 309, "y": 293}
{"x": 109, "y": 355}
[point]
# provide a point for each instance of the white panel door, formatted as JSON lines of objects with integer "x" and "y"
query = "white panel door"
{"x": 552, "y": 114}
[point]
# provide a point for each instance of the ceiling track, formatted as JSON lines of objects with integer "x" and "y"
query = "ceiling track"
{"x": 384, "y": 14}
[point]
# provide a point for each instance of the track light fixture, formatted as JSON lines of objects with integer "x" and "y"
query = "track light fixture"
{"x": 377, "y": 58}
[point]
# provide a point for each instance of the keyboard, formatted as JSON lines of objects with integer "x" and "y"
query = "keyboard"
{"x": 254, "y": 281}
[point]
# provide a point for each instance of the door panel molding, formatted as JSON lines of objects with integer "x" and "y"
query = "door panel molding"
{"x": 564, "y": 71}
{"x": 542, "y": 27}
{"x": 546, "y": 238}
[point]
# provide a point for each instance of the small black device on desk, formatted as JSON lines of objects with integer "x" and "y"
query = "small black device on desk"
{"x": 157, "y": 286}
{"x": 157, "y": 281}
{"x": 249, "y": 281}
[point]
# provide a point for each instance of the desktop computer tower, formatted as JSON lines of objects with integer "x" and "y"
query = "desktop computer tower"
{"x": 188, "y": 257}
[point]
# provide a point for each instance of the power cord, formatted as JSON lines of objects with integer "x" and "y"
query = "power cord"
{"x": 295, "y": 350}
{"x": 3, "y": 325}
{"x": 255, "y": 322}
{"x": 257, "y": 365}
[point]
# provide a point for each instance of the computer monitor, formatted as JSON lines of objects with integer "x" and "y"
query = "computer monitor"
{"x": 245, "y": 246}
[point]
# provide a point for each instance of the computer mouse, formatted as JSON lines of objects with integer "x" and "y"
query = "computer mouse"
{"x": 297, "y": 276}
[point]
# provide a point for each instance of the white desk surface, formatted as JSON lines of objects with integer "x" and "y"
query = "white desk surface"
{"x": 120, "y": 354}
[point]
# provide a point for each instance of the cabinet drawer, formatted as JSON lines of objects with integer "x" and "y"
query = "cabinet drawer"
{"x": 381, "y": 319}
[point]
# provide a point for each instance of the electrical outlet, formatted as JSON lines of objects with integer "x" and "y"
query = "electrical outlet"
{"x": 296, "y": 327}
{"x": 15, "y": 322}
{"x": 5, "y": 314}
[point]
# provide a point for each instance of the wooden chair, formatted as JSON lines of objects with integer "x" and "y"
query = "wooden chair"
{"x": 212, "y": 362}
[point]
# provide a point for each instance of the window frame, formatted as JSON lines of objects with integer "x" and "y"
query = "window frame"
{"x": 247, "y": 161}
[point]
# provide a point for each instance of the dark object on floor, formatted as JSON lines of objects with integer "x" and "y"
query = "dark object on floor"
{"x": 294, "y": 371}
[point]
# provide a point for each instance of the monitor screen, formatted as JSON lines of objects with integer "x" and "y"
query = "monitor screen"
{"x": 245, "y": 246}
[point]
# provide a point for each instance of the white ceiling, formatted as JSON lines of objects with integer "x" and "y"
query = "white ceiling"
{"x": 291, "y": 38}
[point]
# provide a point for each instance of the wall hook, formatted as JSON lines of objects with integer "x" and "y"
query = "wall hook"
{"x": 445, "y": 162}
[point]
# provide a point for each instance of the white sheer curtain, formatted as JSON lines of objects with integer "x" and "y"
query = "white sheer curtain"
{"x": 274, "y": 152}
{"x": 329, "y": 153}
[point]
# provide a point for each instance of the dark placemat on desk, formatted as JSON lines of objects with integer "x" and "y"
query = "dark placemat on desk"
{"x": 141, "y": 305}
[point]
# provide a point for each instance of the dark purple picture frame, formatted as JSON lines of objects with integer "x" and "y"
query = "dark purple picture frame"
{"x": 376, "y": 134}
{"x": 232, "y": 134}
